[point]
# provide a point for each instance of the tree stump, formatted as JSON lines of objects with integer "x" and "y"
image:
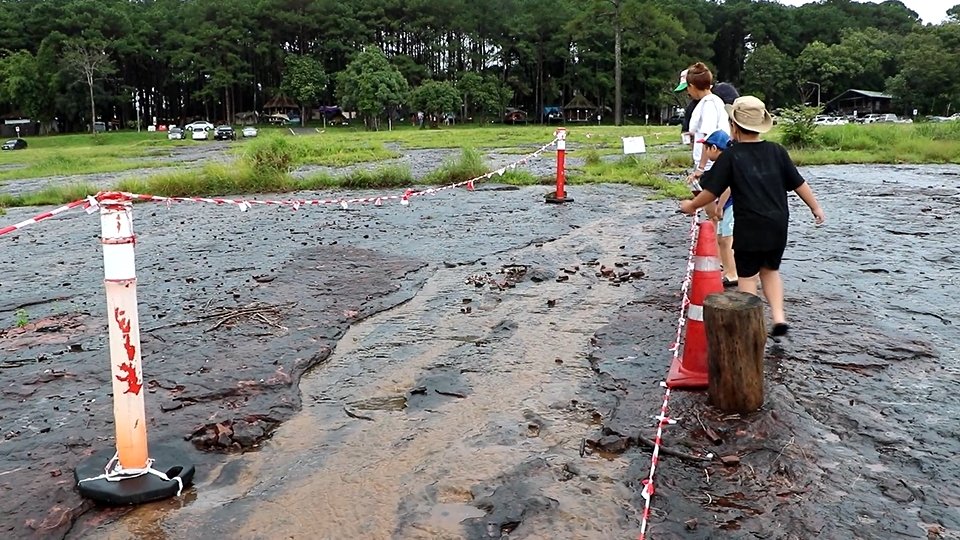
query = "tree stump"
{"x": 736, "y": 338}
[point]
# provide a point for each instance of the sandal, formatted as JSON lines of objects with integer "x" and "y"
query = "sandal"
{"x": 780, "y": 329}
{"x": 729, "y": 282}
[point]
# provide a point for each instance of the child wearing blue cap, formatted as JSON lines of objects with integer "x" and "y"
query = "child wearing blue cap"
{"x": 713, "y": 147}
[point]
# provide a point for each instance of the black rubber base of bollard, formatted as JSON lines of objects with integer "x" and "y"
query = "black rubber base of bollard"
{"x": 553, "y": 199}
{"x": 141, "y": 489}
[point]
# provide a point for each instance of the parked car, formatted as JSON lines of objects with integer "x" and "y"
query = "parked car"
{"x": 198, "y": 135}
{"x": 249, "y": 131}
{"x": 175, "y": 134}
{"x": 225, "y": 133}
{"x": 676, "y": 119}
{"x": 826, "y": 120}
{"x": 199, "y": 125}
{"x": 15, "y": 144}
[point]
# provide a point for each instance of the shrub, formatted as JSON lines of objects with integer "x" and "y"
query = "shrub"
{"x": 799, "y": 129}
{"x": 591, "y": 157}
{"x": 469, "y": 165}
{"x": 272, "y": 156}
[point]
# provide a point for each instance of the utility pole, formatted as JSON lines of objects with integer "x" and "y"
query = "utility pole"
{"x": 617, "y": 75}
{"x": 818, "y": 91}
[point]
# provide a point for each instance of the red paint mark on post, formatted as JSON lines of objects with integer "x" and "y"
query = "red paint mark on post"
{"x": 130, "y": 377}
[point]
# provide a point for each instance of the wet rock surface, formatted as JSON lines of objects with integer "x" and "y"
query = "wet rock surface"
{"x": 527, "y": 416}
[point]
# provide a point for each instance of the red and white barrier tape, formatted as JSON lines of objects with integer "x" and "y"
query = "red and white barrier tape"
{"x": 376, "y": 200}
{"x": 662, "y": 418}
{"x": 87, "y": 203}
{"x": 90, "y": 203}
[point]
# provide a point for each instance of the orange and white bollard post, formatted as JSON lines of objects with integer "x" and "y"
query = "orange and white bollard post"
{"x": 132, "y": 475}
{"x": 120, "y": 282}
{"x": 560, "y": 195}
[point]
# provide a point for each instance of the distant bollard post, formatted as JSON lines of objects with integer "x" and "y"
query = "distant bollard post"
{"x": 127, "y": 474}
{"x": 560, "y": 195}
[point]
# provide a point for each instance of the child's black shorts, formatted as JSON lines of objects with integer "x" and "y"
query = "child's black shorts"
{"x": 749, "y": 263}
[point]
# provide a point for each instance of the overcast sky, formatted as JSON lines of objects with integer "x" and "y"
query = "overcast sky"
{"x": 930, "y": 11}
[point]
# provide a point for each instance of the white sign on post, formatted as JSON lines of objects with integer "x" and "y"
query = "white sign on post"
{"x": 634, "y": 145}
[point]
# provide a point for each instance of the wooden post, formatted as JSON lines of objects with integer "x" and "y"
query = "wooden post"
{"x": 736, "y": 337}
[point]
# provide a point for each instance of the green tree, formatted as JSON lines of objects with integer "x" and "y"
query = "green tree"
{"x": 651, "y": 47}
{"x": 470, "y": 87}
{"x": 954, "y": 13}
{"x": 370, "y": 85}
{"x": 822, "y": 64}
{"x": 435, "y": 98}
{"x": 768, "y": 74}
{"x": 305, "y": 81}
{"x": 494, "y": 96}
{"x": 928, "y": 80}
{"x": 872, "y": 53}
{"x": 20, "y": 82}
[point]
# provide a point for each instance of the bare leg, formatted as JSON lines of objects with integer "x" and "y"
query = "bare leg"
{"x": 725, "y": 244}
{"x": 773, "y": 290}
{"x": 748, "y": 284}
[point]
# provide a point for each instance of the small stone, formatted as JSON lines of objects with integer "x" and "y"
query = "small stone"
{"x": 562, "y": 278}
{"x": 730, "y": 461}
{"x": 691, "y": 524}
{"x": 551, "y": 303}
{"x": 613, "y": 443}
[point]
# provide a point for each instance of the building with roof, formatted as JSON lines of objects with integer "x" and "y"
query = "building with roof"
{"x": 579, "y": 109}
{"x": 860, "y": 102}
{"x": 281, "y": 104}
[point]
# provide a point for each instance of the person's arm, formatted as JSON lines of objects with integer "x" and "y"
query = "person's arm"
{"x": 690, "y": 206}
{"x": 716, "y": 211}
{"x": 793, "y": 181}
{"x": 806, "y": 194}
{"x": 724, "y": 197}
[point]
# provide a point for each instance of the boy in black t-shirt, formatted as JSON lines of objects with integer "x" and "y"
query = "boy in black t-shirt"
{"x": 759, "y": 174}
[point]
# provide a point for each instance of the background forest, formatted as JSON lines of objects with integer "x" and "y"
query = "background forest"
{"x": 178, "y": 60}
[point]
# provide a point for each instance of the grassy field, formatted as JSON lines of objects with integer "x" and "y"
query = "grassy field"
{"x": 263, "y": 164}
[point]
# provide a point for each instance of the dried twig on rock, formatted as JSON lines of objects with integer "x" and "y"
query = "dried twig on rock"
{"x": 266, "y": 313}
{"x": 250, "y": 311}
{"x": 352, "y": 414}
{"x": 669, "y": 452}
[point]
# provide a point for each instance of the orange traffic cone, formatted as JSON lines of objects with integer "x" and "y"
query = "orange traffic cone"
{"x": 690, "y": 369}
